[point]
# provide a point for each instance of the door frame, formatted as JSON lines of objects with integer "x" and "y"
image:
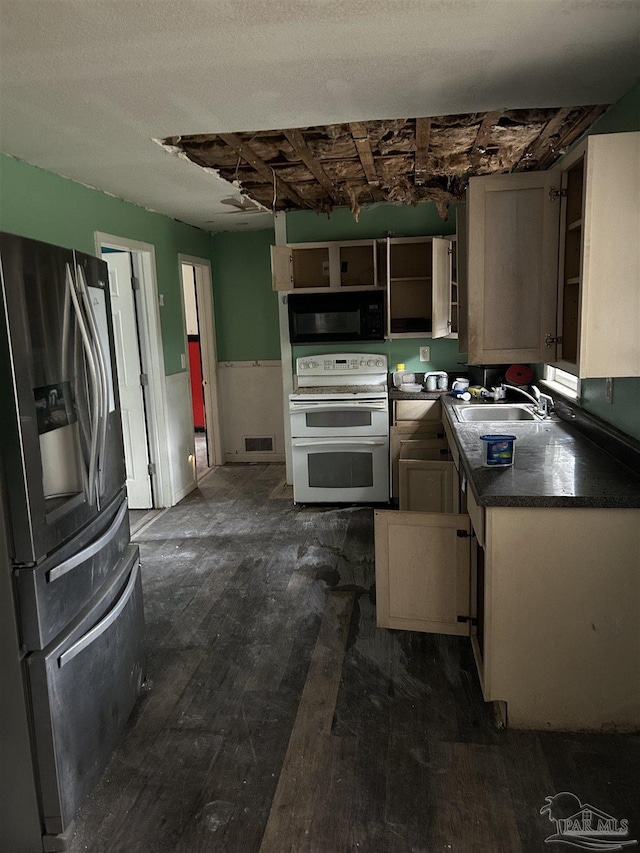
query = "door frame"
{"x": 147, "y": 305}
{"x": 209, "y": 356}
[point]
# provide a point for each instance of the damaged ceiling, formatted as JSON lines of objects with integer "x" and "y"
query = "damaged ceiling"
{"x": 397, "y": 160}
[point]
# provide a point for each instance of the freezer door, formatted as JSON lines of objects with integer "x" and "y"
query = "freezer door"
{"x": 83, "y": 689}
{"x": 60, "y": 433}
{"x": 52, "y": 593}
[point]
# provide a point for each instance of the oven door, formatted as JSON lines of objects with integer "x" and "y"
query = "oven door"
{"x": 341, "y": 470}
{"x": 329, "y": 418}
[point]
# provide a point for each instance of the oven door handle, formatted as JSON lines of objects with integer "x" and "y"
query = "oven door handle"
{"x": 332, "y": 442}
{"x": 334, "y": 407}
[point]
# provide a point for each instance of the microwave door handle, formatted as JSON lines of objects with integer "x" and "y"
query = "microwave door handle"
{"x": 332, "y": 442}
{"x": 93, "y": 379}
{"x": 104, "y": 389}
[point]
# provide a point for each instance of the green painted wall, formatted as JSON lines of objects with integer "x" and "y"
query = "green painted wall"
{"x": 377, "y": 220}
{"x": 246, "y": 307}
{"x": 39, "y": 204}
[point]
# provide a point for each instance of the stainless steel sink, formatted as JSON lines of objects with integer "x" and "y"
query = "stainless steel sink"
{"x": 493, "y": 412}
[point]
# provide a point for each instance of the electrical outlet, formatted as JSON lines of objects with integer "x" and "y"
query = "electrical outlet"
{"x": 425, "y": 353}
{"x": 608, "y": 389}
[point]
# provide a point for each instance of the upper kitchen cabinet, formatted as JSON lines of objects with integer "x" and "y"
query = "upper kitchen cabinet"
{"x": 598, "y": 331}
{"x": 554, "y": 264}
{"x": 325, "y": 266}
{"x": 417, "y": 274}
{"x": 512, "y": 269}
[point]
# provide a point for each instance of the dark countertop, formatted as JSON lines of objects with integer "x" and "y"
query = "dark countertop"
{"x": 554, "y": 465}
{"x": 395, "y": 394}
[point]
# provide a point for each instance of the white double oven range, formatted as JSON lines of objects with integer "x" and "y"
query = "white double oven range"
{"x": 340, "y": 429}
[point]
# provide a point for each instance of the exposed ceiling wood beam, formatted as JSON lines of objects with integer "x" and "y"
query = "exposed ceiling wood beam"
{"x": 304, "y": 153}
{"x": 423, "y": 141}
{"x": 569, "y": 135}
{"x": 483, "y": 136}
{"x": 537, "y": 148}
{"x": 246, "y": 152}
{"x": 363, "y": 147}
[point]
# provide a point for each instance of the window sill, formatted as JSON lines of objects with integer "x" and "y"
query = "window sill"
{"x": 558, "y": 388}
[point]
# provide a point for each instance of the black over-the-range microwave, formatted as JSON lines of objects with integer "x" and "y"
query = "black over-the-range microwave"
{"x": 317, "y": 318}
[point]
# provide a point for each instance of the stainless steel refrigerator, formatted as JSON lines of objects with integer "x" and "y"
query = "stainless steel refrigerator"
{"x": 76, "y": 599}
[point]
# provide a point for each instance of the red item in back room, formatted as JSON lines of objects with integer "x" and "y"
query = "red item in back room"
{"x": 519, "y": 374}
{"x": 195, "y": 369}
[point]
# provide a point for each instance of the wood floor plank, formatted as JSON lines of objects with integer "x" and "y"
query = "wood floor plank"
{"x": 293, "y": 805}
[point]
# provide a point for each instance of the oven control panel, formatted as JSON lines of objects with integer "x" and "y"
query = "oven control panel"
{"x": 357, "y": 364}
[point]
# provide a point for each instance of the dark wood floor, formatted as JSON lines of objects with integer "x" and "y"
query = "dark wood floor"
{"x": 277, "y": 717}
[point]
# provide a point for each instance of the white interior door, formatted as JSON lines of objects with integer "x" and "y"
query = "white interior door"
{"x": 134, "y": 427}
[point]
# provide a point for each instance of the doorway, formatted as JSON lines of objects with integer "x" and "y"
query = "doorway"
{"x": 202, "y": 361}
{"x": 138, "y": 347}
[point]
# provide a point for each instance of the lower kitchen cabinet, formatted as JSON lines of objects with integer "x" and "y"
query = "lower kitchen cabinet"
{"x": 422, "y": 571}
{"x": 416, "y": 432}
{"x": 427, "y": 486}
{"x": 561, "y": 615}
{"x": 550, "y": 597}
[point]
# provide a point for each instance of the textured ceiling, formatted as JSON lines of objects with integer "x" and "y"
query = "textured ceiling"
{"x": 87, "y": 85}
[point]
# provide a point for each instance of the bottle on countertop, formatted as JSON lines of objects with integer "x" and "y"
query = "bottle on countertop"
{"x": 461, "y": 394}
{"x": 401, "y": 375}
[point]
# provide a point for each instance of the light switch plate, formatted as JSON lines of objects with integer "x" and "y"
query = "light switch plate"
{"x": 425, "y": 353}
{"x": 183, "y": 361}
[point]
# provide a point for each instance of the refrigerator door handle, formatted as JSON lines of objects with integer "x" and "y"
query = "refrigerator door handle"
{"x": 105, "y": 623}
{"x": 95, "y": 401}
{"x": 95, "y": 546}
{"x": 104, "y": 387}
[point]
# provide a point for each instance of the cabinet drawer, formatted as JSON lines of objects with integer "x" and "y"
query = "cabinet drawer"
{"x": 406, "y": 443}
{"x": 417, "y": 410}
{"x": 476, "y": 514}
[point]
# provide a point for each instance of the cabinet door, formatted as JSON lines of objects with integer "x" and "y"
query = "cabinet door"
{"x": 609, "y": 320}
{"x": 461, "y": 277}
{"x": 427, "y": 486}
{"x": 441, "y": 288}
{"x": 281, "y": 268}
{"x": 422, "y": 571}
{"x": 512, "y": 275}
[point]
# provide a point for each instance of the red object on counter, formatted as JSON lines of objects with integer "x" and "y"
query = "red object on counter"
{"x": 519, "y": 374}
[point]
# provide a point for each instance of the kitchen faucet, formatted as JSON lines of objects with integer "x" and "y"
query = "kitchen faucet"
{"x": 543, "y": 402}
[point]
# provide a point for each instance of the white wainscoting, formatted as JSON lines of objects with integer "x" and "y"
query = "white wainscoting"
{"x": 180, "y": 435}
{"x": 251, "y": 408}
